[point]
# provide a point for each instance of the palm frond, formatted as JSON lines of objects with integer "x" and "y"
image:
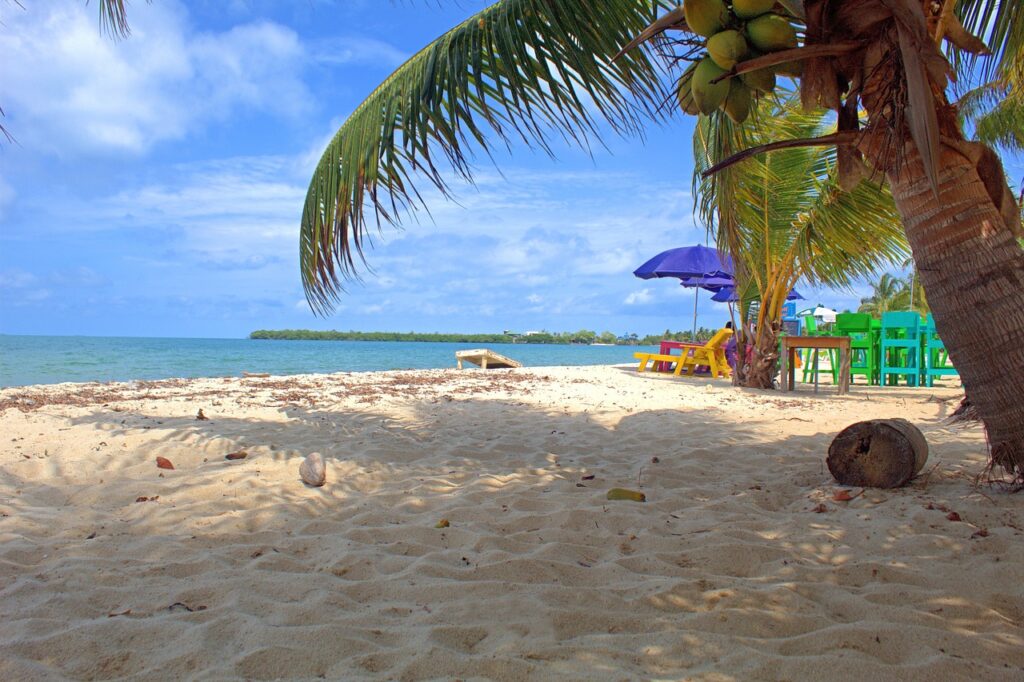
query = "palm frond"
{"x": 782, "y": 214}
{"x": 114, "y": 18}
{"x": 1000, "y": 24}
{"x": 975, "y": 102}
{"x": 518, "y": 69}
{"x": 1003, "y": 125}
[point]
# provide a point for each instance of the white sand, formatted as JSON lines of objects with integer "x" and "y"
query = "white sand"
{"x": 238, "y": 570}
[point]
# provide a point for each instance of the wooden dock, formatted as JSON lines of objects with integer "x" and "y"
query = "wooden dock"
{"x": 485, "y": 358}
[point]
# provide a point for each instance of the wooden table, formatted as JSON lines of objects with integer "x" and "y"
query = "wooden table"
{"x": 788, "y": 359}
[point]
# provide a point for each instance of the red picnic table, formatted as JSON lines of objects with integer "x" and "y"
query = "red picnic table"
{"x": 668, "y": 346}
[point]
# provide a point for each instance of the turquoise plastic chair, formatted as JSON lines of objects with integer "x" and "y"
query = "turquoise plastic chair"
{"x": 936, "y": 359}
{"x": 900, "y": 348}
{"x": 810, "y": 328}
{"x": 863, "y": 350}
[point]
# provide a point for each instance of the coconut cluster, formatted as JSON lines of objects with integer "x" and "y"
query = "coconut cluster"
{"x": 736, "y": 31}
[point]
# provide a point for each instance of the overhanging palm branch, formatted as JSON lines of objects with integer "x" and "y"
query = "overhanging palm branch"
{"x": 518, "y": 69}
{"x": 114, "y": 17}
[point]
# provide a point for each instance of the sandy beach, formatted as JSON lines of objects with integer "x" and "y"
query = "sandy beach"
{"x": 740, "y": 565}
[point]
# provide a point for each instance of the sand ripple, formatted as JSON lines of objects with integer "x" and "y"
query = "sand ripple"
{"x": 235, "y": 569}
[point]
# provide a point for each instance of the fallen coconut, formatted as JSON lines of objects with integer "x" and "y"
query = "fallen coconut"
{"x": 313, "y": 471}
{"x": 880, "y": 453}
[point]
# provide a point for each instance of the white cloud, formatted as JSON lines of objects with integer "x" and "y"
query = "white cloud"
{"x": 19, "y": 288}
{"x": 355, "y": 49}
{"x": 17, "y": 279}
{"x": 232, "y": 216}
{"x": 77, "y": 277}
{"x": 611, "y": 262}
{"x": 639, "y": 297}
{"x": 67, "y": 87}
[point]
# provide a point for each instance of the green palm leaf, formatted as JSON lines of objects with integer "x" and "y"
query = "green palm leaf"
{"x": 782, "y": 215}
{"x": 518, "y": 69}
{"x": 1000, "y": 23}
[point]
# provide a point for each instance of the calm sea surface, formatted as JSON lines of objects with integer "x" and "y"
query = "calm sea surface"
{"x": 53, "y": 359}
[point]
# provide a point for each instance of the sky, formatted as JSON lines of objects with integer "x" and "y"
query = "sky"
{"x": 155, "y": 185}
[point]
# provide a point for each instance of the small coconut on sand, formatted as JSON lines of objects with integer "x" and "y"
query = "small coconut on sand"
{"x": 743, "y": 563}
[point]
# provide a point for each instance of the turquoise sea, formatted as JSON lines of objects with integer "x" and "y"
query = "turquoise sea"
{"x": 53, "y": 359}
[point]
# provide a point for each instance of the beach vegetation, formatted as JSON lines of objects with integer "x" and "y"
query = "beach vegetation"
{"x": 784, "y": 219}
{"x": 890, "y": 293}
{"x": 581, "y": 337}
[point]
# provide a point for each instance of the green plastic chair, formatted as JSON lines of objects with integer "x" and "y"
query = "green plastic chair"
{"x": 811, "y": 329}
{"x": 900, "y": 348}
{"x": 863, "y": 349}
{"x": 936, "y": 359}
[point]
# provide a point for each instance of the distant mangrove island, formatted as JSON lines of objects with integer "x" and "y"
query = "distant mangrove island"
{"x": 582, "y": 337}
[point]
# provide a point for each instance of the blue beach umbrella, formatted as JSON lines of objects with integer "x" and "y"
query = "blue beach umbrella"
{"x": 712, "y": 284}
{"x": 688, "y": 262}
{"x": 727, "y": 294}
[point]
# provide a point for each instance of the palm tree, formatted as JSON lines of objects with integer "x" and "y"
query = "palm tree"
{"x": 918, "y": 299}
{"x": 960, "y": 216}
{"x": 783, "y": 218}
{"x": 521, "y": 68}
{"x": 888, "y": 294}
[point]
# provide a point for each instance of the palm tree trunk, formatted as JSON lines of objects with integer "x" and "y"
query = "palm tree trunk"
{"x": 766, "y": 356}
{"x": 972, "y": 270}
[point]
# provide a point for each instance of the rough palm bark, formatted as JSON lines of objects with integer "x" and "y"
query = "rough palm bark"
{"x": 960, "y": 216}
{"x": 973, "y": 269}
{"x": 765, "y": 363}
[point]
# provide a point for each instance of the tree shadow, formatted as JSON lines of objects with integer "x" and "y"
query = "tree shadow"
{"x": 739, "y": 561}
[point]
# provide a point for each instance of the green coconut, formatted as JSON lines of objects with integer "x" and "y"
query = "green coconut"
{"x": 771, "y": 33}
{"x": 748, "y": 9}
{"x": 737, "y": 102}
{"x": 686, "y": 101}
{"x": 684, "y": 92}
{"x": 727, "y": 48}
{"x": 705, "y": 17}
{"x": 762, "y": 80}
{"x": 708, "y": 96}
{"x": 793, "y": 69}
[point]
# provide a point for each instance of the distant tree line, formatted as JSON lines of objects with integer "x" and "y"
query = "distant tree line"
{"x": 583, "y": 337}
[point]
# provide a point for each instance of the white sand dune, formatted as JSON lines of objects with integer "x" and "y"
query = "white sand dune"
{"x": 235, "y": 569}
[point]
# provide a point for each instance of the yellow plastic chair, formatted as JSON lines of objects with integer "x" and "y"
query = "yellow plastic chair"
{"x": 711, "y": 354}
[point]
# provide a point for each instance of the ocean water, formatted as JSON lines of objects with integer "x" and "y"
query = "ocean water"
{"x": 53, "y": 359}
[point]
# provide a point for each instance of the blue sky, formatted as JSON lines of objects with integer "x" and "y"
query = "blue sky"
{"x": 156, "y": 185}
